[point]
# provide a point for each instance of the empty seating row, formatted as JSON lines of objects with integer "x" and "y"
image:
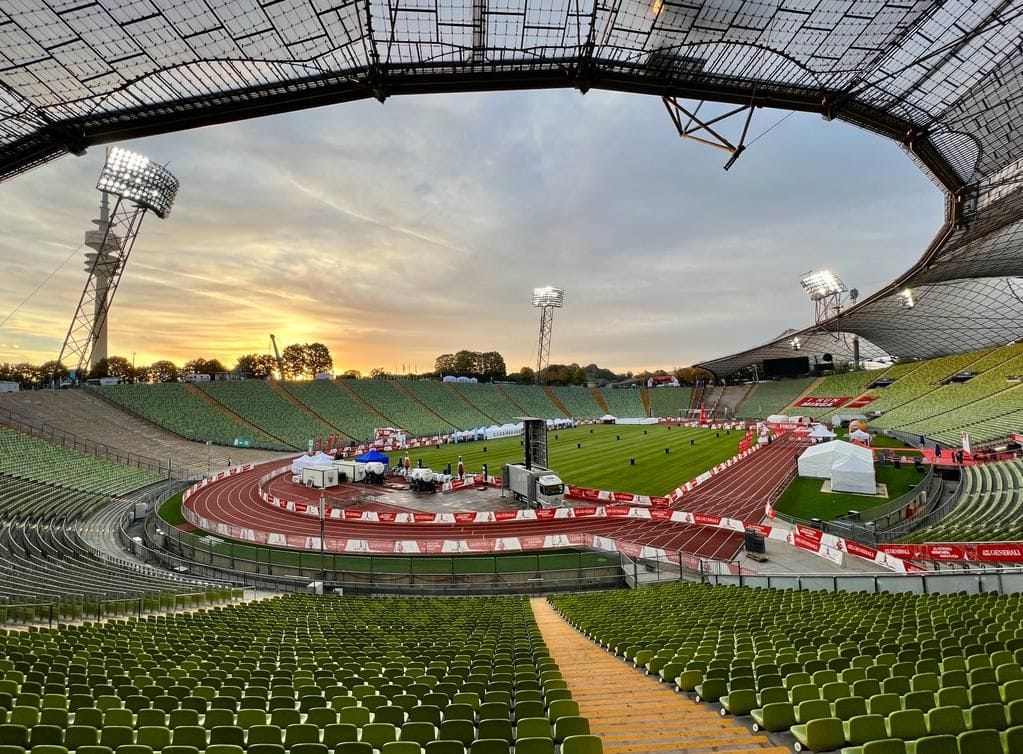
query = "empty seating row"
{"x": 834, "y": 669}
{"x": 989, "y": 507}
{"x": 302, "y": 674}
{"x": 174, "y": 407}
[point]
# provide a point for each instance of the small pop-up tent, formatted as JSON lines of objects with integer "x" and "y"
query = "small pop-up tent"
{"x": 820, "y": 432}
{"x": 373, "y": 456}
{"x": 859, "y": 435}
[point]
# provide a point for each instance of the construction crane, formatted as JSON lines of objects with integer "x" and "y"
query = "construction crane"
{"x": 277, "y": 355}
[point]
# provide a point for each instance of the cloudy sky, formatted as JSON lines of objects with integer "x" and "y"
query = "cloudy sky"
{"x": 396, "y": 232}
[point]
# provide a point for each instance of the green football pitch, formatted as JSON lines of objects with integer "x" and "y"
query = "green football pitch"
{"x": 598, "y": 456}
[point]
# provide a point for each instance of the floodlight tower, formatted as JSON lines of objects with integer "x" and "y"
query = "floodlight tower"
{"x": 137, "y": 185}
{"x": 546, "y": 299}
{"x": 826, "y": 290}
{"x": 99, "y": 262}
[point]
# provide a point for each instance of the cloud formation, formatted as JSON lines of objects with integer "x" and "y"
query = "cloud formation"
{"x": 400, "y": 231}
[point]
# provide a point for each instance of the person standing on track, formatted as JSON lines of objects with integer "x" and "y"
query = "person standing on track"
{"x": 461, "y": 468}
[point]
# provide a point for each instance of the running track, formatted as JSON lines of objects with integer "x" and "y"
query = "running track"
{"x": 740, "y": 491}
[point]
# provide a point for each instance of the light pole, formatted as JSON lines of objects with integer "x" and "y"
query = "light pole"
{"x": 323, "y": 555}
{"x": 209, "y": 458}
{"x": 546, "y": 299}
{"x": 137, "y": 186}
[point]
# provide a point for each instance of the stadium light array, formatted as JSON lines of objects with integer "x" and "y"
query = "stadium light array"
{"x": 819, "y": 285}
{"x": 796, "y": 344}
{"x": 549, "y": 296}
{"x": 908, "y": 302}
{"x": 138, "y": 179}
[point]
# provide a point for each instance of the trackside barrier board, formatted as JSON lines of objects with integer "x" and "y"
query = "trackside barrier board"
{"x": 978, "y": 552}
{"x": 805, "y": 538}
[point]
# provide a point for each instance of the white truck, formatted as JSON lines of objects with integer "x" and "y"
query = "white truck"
{"x": 537, "y": 487}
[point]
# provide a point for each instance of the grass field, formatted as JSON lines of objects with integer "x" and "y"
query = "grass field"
{"x": 170, "y": 510}
{"x": 879, "y": 441}
{"x": 803, "y": 497}
{"x": 603, "y": 460}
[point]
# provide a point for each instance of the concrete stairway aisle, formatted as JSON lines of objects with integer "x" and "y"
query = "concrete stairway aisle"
{"x": 631, "y": 712}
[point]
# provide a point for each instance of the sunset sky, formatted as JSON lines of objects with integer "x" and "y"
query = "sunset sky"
{"x": 397, "y": 232}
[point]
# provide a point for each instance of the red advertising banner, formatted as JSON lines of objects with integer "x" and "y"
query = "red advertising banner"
{"x": 817, "y": 401}
{"x": 862, "y": 401}
{"x": 983, "y": 552}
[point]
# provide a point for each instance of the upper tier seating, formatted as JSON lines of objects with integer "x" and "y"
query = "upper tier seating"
{"x": 845, "y": 384}
{"x": 272, "y": 676}
{"x": 257, "y": 402}
{"x": 174, "y": 407}
{"x": 767, "y": 398}
{"x": 578, "y": 401}
{"x": 490, "y": 401}
{"x": 624, "y": 402}
{"x": 913, "y": 383}
{"x": 533, "y": 400}
{"x": 990, "y": 507}
{"x": 445, "y": 402}
{"x": 666, "y": 402}
{"x": 27, "y": 457}
{"x": 337, "y": 407}
{"x": 390, "y": 401}
{"x": 89, "y": 417}
{"x": 835, "y": 669}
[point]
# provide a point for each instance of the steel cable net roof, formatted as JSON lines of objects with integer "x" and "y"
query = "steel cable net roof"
{"x": 941, "y": 78}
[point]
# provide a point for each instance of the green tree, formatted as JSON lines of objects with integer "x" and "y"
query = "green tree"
{"x": 113, "y": 366}
{"x": 444, "y": 364}
{"x": 159, "y": 371}
{"x": 318, "y": 359}
{"x": 295, "y": 361}
{"x": 526, "y": 376}
{"x": 259, "y": 365}
{"x": 352, "y": 374}
{"x": 203, "y": 366}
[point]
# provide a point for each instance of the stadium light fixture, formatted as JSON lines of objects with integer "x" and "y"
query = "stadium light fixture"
{"x": 546, "y": 299}
{"x": 138, "y": 179}
{"x": 908, "y": 302}
{"x": 138, "y": 185}
{"x": 822, "y": 284}
{"x": 549, "y": 296}
{"x": 796, "y": 344}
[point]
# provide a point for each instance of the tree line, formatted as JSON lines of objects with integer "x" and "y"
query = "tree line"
{"x": 298, "y": 361}
{"x": 306, "y": 360}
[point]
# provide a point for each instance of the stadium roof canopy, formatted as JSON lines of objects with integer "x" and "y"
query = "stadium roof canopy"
{"x": 941, "y": 78}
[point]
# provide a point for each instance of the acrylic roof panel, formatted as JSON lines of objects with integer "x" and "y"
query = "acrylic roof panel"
{"x": 943, "y": 79}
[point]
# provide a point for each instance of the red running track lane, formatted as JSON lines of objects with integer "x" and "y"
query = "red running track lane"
{"x": 236, "y": 502}
{"x": 740, "y": 491}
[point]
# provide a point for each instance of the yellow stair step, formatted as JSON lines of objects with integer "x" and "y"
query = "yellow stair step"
{"x": 634, "y": 713}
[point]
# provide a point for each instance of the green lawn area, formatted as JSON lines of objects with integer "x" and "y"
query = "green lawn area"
{"x": 603, "y": 461}
{"x": 170, "y": 510}
{"x": 879, "y": 441}
{"x": 803, "y": 497}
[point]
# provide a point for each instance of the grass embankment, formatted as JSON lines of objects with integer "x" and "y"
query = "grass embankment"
{"x": 170, "y": 510}
{"x": 602, "y": 461}
{"x": 803, "y": 497}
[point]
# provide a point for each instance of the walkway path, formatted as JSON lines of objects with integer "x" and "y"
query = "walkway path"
{"x": 632, "y": 713}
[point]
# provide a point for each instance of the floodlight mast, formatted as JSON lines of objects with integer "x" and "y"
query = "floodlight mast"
{"x": 546, "y": 299}
{"x": 827, "y": 292}
{"x": 137, "y": 185}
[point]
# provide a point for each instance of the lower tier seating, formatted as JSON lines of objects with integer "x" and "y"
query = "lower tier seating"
{"x": 297, "y": 674}
{"x": 837, "y": 670}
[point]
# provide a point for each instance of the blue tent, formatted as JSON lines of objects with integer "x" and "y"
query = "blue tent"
{"x": 373, "y": 456}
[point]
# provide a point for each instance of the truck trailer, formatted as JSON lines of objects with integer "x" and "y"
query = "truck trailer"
{"x": 537, "y": 487}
